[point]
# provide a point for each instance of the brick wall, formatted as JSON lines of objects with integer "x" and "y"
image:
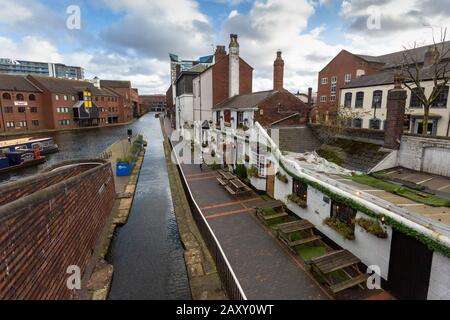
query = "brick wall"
{"x": 43, "y": 233}
{"x": 279, "y": 106}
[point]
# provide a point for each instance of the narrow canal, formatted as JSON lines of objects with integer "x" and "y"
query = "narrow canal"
{"x": 146, "y": 253}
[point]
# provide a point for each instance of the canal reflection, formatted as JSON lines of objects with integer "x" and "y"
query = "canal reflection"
{"x": 146, "y": 253}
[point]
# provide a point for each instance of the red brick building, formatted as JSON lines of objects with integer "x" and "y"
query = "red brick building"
{"x": 337, "y": 73}
{"x": 21, "y": 105}
{"x": 72, "y": 103}
{"x": 276, "y": 107}
{"x": 153, "y": 102}
{"x": 129, "y": 98}
{"x": 29, "y": 103}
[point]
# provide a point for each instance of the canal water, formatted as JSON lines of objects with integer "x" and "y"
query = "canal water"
{"x": 146, "y": 253}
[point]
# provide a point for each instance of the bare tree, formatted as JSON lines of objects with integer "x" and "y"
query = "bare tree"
{"x": 413, "y": 72}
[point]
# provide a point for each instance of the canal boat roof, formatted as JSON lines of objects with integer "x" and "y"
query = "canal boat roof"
{"x": 13, "y": 142}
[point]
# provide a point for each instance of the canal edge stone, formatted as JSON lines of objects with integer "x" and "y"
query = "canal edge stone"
{"x": 204, "y": 280}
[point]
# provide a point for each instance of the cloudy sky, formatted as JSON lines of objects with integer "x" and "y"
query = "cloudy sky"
{"x": 131, "y": 39}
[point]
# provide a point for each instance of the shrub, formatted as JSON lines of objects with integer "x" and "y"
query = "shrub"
{"x": 332, "y": 154}
{"x": 241, "y": 171}
{"x": 282, "y": 177}
{"x": 344, "y": 229}
{"x": 252, "y": 172}
{"x": 372, "y": 226}
{"x": 213, "y": 154}
{"x": 297, "y": 200}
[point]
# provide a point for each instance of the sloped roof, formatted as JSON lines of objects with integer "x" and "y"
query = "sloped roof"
{"x": 68, "y": 86}
{"x": 394, "y": 59}
{"x": 9, "y": 82}
{"x": 115, "y": 83}
{"x": 244, "y": 101}
{"x": 386, "y": 77}
{"x": 198, "y": 68}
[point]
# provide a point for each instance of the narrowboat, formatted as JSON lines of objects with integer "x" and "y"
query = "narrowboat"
{"x": 46, "y": 145}
{"x": 18, "y": 159}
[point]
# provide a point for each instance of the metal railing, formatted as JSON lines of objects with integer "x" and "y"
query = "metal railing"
{"x": 226, "y": 273}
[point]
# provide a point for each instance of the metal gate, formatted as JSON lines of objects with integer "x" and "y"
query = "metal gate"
{"x": 409, "y": 268}
{"x": 437, "y": 161}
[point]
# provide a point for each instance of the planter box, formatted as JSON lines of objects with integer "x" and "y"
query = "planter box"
{"x": 124, "y": 169}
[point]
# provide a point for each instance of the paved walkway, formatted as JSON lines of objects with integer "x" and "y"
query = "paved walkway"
{"x": 265, "y": 269}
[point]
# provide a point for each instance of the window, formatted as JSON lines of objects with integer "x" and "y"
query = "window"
{"x": 62, "y": 109}
{"x": 324, "y": 80}
{"x": 227, "y": 117}
{"x": 375, "y": 124}
{"x": 415, "y": 101}
{"x": 300, "y": 189}
{"x": 22, "y": 124}
{"x": 35, "y": 123}
{"x": 6, "y": 96}
{"x": 348, "y": 100}
{"x": 377, "y": 98}
{"x": 56, "y": 97}
{"x": 72, "y": 98}
{"x": 343, "y": 213}
{"x": 8, "y": 109}
{"x": 240, "y": 118}
{"x": 441, "y": 101}
{"x": 32, "y": 97}
{"x": 33, "y": 109}
{"x": 21, "y": 109}
{"x": 359, "y": 99}
{"x": 333, "y": 98}
{"x": 65, "y": 98}
{"x": 333, "y": 80}
{"x": 357, "y": 123}
{"x": 323, "y": 98}
{"x": 333, "y": 88}
{"x": 348, "y": 78}
{"x": 10, "y": 124}
{"x": 20, "y": 97}
{"x": 64, "y": 122}
{"x": 218, "y": 117}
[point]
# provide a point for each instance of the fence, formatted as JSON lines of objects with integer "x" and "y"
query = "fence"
{"x": 229, "y": 279}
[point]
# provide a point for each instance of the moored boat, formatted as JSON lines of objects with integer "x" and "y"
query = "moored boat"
{"x": 45, "y": 145}
{"x": 21, "y": 158}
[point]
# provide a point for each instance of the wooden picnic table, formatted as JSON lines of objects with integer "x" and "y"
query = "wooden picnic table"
{"x": 272, "y": 204}
{"x": 338, "y": 260}
{"x": 285, "y": 231}
{"x": 227, "y": 175}
{"x": 294, "y": 226}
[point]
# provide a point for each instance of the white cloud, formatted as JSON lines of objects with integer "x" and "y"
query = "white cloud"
{"x": 30, "y": 48}
{"x": 12, "y": 12}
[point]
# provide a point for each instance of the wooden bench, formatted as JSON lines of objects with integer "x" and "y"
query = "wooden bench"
{"x": 230, "y": 190}
{"x": 294, "y": 226}
{"x": 346, "y": 284}
{"x": 266, "y": 218}
{"x": 222, "y": 182}
{"x": 294, "y": 243}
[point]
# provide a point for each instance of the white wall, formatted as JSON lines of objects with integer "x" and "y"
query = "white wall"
{"x": 367, "y": 247}
{"x": 184, "y": 105}
{"x": 439, "y": 287}
{"x": 203, "y": 96}
{"x": 368, "y": 111}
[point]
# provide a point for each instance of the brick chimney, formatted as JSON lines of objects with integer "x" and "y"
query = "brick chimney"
{"x": 278, "y": 72}
{"x": 310, "y": 103}
{"x": 220, "y": 53}
{"x": 431, "y": 56}
{"x": 233, "y": 66}
{"x": 395, "y": 115}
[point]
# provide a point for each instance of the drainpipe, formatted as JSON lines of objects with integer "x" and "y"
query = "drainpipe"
{"x": 3, "y": 118}
{"x": 448, "y": 128}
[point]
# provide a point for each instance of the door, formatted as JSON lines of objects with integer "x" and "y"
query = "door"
{"x": 437, "y": 161}
{"x": 409, "y": 268}
{"x": 270, "y": 180}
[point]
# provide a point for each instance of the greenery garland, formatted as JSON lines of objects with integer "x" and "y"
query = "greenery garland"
{"x": 431, "y": 244}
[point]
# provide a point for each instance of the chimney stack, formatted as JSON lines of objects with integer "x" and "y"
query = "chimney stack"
{"x": 431, "y": 56}
{"x": 278, "y": 72}
{"x": 310, "y": 103}
{"x": 395, "y": 115}
{"x": 233, "y": 66}
{"x": 220, "y": 53}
